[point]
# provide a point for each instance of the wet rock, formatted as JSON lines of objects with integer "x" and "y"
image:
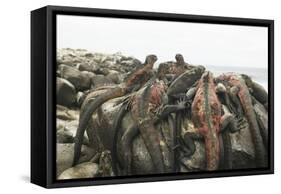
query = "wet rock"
{"x": 65, "y": 156}
{"x": 65, "y": 92}
{"x": 83, "y": 170}
{"x": 78, "y": 79}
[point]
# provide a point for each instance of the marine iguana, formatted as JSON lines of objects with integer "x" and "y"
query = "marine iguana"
{"x": 185, "y": 81}
{"x": 147, "y": 107}
{"x": 210, "y": 122}
{"x": 132, "y": 83}
{"x": 234, "y": 80}
{"x": 256, "y": 90}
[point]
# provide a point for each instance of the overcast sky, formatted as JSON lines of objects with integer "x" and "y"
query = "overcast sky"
{"x": 205, "y": 44}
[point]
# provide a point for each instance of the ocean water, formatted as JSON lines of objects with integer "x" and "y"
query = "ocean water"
{"x": 259, "y": 75}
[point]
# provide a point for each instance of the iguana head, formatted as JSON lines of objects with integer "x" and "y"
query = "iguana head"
{"x": 180, "y": 60}
{"x": 150, "y": 59}
{"x": 207, "y": 77}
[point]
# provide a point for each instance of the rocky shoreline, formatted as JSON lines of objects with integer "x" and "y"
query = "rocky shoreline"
{"x": 81, "y": 76}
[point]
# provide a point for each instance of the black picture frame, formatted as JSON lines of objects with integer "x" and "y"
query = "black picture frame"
{"x": 43, "y": 93}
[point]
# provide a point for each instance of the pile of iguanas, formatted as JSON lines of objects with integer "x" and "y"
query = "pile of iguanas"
{"x": 216, "y": 106}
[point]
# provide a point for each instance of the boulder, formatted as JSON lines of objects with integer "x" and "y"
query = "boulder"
{"x": 71, "y": 128}
{"x": 101, "y": 80}
{"x": 66, "y": 93}
{"x": 64, "y": 136}
{"x": 78, "y": 79}
{"x": 64, "y": 113}
{"x": 85, "y": 67}
{"x": 64, "y": 156}
{"x": 83, "y": 170}
{"x": 102, "y": 71}
{"x": 114, "y": 76}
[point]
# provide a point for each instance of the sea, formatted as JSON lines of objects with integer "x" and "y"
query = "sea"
{"x": 259, "y": 75}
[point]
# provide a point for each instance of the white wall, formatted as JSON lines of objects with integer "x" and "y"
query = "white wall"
{"x": 15, "y": 86}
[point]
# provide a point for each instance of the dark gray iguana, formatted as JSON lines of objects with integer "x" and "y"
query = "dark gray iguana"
{"x": 147, "y": 107}
{"x": 134, "y": 81}
{"x": 234, "y": 80}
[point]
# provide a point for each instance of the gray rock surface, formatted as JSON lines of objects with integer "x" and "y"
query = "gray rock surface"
{"x": 65, "y": 156}
{"x": 65, "y": 92}
{"x": 80, "y": 80}
{"x": 83, "y": 170}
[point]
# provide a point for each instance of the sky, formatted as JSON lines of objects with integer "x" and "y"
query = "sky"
{"x": 228, "y": 46}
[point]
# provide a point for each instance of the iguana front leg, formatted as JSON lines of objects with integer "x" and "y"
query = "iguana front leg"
{"x": 133, "y": 131}
{"x": 228, "y": 124}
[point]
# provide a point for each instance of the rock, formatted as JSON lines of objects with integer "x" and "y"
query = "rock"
{"x": 83, "y": 170}
{"x": 64, "y": 113}
{"x": 196, "y": 162}
{"x": 65, "y": 156}
{"x": 65, "y": 92}
{"x": 243, "y": 148}
{"x": 79, "y": 80}
{"x": 60, "y": 124}
{"x": 102, "y": 71}
{"x": 71, "y": 128}
{"x": 101, "y": 80}
{"x": 85, "y": 67}
{"x": 114, "y": 77}
{"x": 88, "y": 74}
{"x": 64, "y": 136}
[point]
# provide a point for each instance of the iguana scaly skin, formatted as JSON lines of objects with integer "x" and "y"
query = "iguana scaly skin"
{"x": 185, "y": 81}
{"x": 176, "y": 68}
{"x": 180, "y": 66}
{"x": 146, "y": 108}
{"x": 256, "y": 90}
{"x": 243, "y": 93}
{"x": 206, "y": 116}
{"x": 135, "y": 81}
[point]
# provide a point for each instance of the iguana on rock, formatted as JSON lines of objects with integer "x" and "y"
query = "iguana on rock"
{"x": 234, "y": 80}
{"x": 132, "y": 83}
{"x": 256, "y": 90}
{"x": 146, "y": 108}
{"x": 185, "y": 81}
{"x": 176, "y": 68}
{"x": 210, "y": 122}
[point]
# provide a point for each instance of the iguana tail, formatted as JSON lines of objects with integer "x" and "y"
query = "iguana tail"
{"x": 85, "y": 116}
{"x": 116, "y": 126}
{"x": 149, "y": 133}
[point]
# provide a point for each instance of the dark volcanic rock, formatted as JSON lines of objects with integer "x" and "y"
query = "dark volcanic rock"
{"x": 66, "y": 94}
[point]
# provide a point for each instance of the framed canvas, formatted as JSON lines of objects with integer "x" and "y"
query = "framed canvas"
{"x": 127, "y": 96}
